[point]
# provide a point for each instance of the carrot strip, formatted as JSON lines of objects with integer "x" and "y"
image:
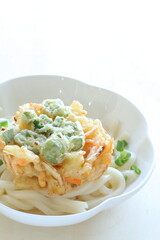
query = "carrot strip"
{"x": 20, "y": 161}
{"x": 94, "y": 149}
{"x": 2, "y": 144}
{"x": 72, "y": 180}
{"x": 37, "y": 106}
{"x": 89, "y": 143}
{"x": 87, "y": 134}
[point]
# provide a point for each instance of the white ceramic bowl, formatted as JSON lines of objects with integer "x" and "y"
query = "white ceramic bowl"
{"x": 100, "y": 103}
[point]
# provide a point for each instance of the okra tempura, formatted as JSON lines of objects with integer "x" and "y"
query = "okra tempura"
{"x": 54, "y": 147}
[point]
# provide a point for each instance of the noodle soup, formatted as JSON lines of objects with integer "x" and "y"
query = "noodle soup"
{"x": 55, "y": 160}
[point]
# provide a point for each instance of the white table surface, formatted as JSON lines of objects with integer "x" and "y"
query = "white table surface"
{"x": 112, "y": 44}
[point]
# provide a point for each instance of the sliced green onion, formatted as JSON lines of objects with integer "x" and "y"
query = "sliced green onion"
{"x": 136, "y": 169}
{"x": 37, "y": 124}
{"x": 113, "y": 153}
{"x": 121, "y": 144}
{"x": 123, "y": 158}
{"x": 3, "y": 122}
{"x": 1, "y": 162}
{"x": 125, "y": 177}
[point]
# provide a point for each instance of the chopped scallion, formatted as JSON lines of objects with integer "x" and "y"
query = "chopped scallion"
{"x": 3, "y": 122}
{"x": 37, "y": 124}
{"x": 1, "y": 162}
{"x": 125, "y": 177}
{"x": 121, "y": 144}
{"x": 123, "y": 158}
{"x": 136, "y": 169}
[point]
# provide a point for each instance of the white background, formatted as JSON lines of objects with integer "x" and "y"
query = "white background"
{"x": 111, "y": 44}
